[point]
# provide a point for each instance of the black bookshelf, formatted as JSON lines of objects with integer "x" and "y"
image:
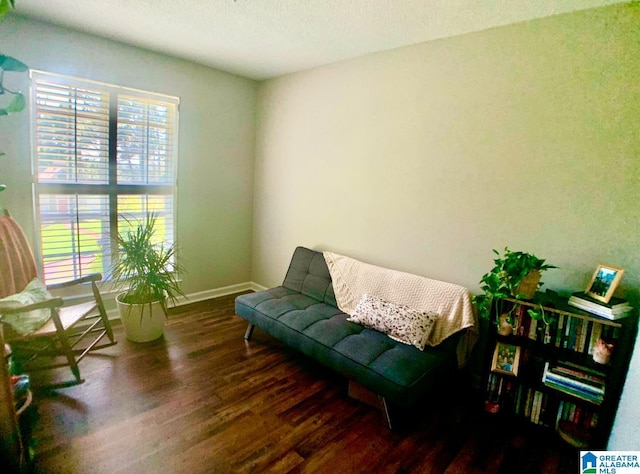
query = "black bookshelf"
{"x": 555, "y": 382}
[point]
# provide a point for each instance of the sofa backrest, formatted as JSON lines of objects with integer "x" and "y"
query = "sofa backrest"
{"x": 308, "y": 274}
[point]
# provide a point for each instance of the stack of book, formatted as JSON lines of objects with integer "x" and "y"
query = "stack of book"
{"x": 616, "y": 308}
{"x": 575, "y": 380}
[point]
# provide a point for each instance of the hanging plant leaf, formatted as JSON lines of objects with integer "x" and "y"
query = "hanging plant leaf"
{"x": 4, "y": 7}
{"x": 17, "y": 104}
{"x": 12, "y": 64}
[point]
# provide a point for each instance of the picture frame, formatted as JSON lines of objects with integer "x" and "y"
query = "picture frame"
{"x": 604, "y": 282}
{"x": 506, "y": 359}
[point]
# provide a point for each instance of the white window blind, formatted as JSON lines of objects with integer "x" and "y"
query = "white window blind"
{"x": 74, "y": 233}
{"x": 102, "y": 155}
{"x": 136, "y": 207}
{"x": 145, "y": 141}
{"x": 71, "y": 134}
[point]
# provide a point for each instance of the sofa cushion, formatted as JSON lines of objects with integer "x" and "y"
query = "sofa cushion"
{"x": 308, "y": 274}
{"x": 399, "y": 322}
{"x": 30, "y": 321}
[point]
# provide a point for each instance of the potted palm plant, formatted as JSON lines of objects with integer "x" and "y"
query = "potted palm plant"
{"x": 148, "y": 269}
{"x": 514, "y": 275}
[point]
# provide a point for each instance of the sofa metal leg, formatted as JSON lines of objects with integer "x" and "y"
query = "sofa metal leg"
{"x": 249, "y": 332}
{"x": 365, "y": 395}
{"x": 385, "y": 410}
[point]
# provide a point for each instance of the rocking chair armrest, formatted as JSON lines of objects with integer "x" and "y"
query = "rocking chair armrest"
{"x": 77, "y": 281}
{"x": 12, "y": 307}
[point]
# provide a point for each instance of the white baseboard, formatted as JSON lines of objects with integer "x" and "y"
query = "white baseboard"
{"x": 216, "y": 293}
{"x": 256, "y": 287}
{"x": 199, "y": 296}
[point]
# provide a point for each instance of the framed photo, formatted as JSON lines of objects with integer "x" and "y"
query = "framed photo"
{"x": 506, "y": 359}
{"x": 604, "y": 282}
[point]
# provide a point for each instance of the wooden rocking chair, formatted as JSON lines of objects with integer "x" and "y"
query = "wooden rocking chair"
{"x": 71, "y": 332}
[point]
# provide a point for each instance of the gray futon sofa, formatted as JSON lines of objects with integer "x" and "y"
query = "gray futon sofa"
{"x": 303, "y": 314}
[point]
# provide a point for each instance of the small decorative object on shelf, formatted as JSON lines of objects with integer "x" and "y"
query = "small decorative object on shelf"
{"x": 604, "y": 282}
{"x": 602, "y": 352}
{"x": 505, "y": 325}
{"x": 564, "y": 372}
{"x": 506, "y": 358}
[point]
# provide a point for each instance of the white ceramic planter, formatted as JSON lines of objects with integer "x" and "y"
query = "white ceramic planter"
{"x": 142, "y": 322}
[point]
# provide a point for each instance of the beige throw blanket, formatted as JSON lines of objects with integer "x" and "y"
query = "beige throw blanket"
{"x": 352, "y": 279}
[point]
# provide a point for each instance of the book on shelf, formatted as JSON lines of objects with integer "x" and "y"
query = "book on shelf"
{"x": 528, "y": 403}
{"x": 560, "y": 330}
{"x": 520, "y": 398}
{"x": 577, "y": 334}
{"x": 537, "y": 405}
{"x": 581, "y": 369}
{"x": 583, "y": 395}
{"x": 586, "y": 340}
{"x": 560, "y": 379}
{"x": 616, "y": 308}
{"x": 544, "y": 408}
{"x": 613, "y": 303}
{"x": 582, "y": 417}
{"x": 568, "y": 372}
{"x": 571, "y": 333}
{"x": 579, "y": 383}
{"x": 533, "y": 329}
{"x": 595, "y": 335}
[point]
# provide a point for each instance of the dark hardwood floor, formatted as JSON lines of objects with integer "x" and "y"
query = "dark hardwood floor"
{"x": 203, "y": 400}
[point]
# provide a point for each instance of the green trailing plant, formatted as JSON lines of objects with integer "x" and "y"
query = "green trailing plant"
{"x": 539, "y": 314}
{"x": 148, "y": 269}
{"x": 504, "y": 279}
{"x": 6, "y": 6}
{"x": 16, "y": 102}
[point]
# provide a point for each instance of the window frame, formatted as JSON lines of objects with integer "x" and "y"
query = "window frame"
{"x": 112, "y": 189}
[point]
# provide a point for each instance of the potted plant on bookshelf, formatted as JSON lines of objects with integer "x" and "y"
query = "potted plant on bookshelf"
{"x": 514, "y": 275}
{"x": 148, "y": 269}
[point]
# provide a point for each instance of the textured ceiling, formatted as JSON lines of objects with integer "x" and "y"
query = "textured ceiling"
{"x": 261, "y": 39}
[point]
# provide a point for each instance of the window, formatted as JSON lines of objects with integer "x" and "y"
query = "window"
{"x": 101, "y": 153}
